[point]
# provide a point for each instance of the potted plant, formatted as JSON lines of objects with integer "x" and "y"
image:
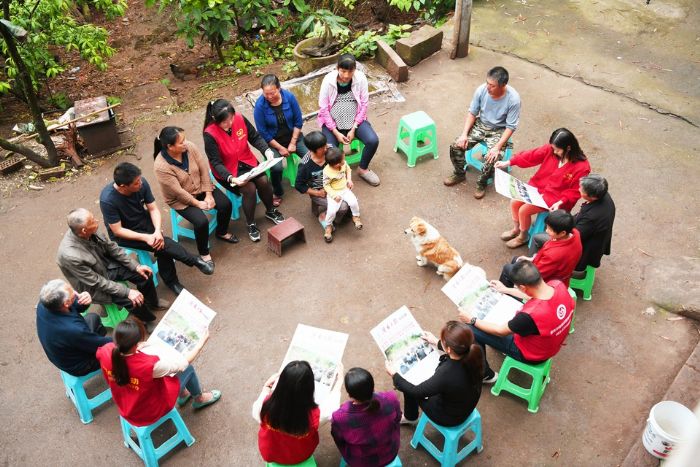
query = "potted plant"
{"x": 323, "y": 47}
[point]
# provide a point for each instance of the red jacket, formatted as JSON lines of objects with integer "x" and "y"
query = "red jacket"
{"x": 553, "y": 318}
{"x": 553, "y": 182}
{"x": 233, "y": 147}
{"x": 145, "y": 399}
{"x": 557, "y": 259}
{"x": 283, "y": 448}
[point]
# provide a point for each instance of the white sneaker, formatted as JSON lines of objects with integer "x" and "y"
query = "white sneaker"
{"x": 490, "y": 380}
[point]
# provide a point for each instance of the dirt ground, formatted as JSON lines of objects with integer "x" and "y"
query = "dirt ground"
{"x": 616, "y": 365}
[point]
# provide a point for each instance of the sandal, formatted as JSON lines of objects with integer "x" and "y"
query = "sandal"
{"x": 215, "y": 396}
{"x": 358, "y": 223}
{"x": 328, "y": 234}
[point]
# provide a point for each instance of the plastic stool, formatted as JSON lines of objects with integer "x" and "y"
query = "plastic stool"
{"x": 356, "y": 148}
{"x": 145, "y": 448}
{"x": 144, "y": 257}
{"x": 290, "y": 169}
{"x": 417, "y": 127}
{"x": 533, "y": 394}
{"x": 395, "y": 463}
{"x": 310, "y": 462}
{"x": 449, "y": 456}
{"x": 76, "y": 393}
{"x": 573, "y": 313}
{"x": 115, "y": 315}
{"x": 180, "y": 231}
{"x": 481, "y": 148}
{"x": 585, "y": 285}
{"x": 537, "y": 227}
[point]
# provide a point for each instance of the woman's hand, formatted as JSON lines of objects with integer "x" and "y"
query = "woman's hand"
{"x": 209, "y": 199}
{"x": 555, "y": 206}
{"x": 389, "y": 369}
{"x": 502, "y": 164}
{"x": 234, "y": 181}
{"x": 351, "y": 135}
{"x": 429, "y": 337}
{"x": 284, "y": 152}
{"x": 270, "y": 383}
{"x": 341, "y": 137}
{"x": 292, "y": 147}
{"x": 203, "y": 205}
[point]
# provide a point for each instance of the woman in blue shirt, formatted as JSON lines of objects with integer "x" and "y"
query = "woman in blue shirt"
{"x": 279, "y": 120}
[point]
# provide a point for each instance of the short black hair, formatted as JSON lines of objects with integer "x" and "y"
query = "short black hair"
{"x": 125, "y": 173}
{"x": 498, "y": 73}
{"x": 315, "y": 140}
{"x": 560, "y": 221}
{"x": 524, "y": 272}
{"x": 334, "y": 156}
{"x": 347, "y": 62}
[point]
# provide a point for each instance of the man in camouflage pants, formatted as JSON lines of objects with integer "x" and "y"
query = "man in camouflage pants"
{"x": 493, "y": 117}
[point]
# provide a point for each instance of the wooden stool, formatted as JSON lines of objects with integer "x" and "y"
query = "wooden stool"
{"x": 281, "y": 232}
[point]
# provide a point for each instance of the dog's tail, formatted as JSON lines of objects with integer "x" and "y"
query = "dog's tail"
{"x": 451, "y": 267}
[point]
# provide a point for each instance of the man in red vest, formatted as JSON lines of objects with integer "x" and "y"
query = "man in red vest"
{"x": 538, "y": 330}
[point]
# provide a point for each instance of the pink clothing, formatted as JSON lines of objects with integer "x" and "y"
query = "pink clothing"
{"x": 553, "y": 182}
{"x": 329, "y": 92}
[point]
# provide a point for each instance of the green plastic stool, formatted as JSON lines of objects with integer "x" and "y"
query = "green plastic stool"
{"x": 115, "y": 315}
{"x": 573, "y": 313}
{"x": 290, "y": 170}
{"x": 310, "y": 462}
{"x": 585, "y": 285}
{"x": 533, "y": 394}
{"x": 356, "y": 148}
{"x": 417, "y": 127}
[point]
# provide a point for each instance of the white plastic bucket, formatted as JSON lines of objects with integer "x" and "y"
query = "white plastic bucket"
{"x": 668, "y": 424}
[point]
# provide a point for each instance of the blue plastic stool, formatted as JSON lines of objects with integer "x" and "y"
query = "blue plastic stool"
{"x": 449, "y": 456}
{"x": 537, "y": 227}
{"x": 310, "y": 462}
{"x": 585, "y": 285}
{"x": 356, "y": 148}
{"x": 236, "y": 200}
{"x": 76, "y": 393}
{"x": 417, "y": 127}
{"x": 145, "y": 448}
{"x": 481, "y": 148}
{"x": 144, "y": 257}
{"x": 395, "y": 463}
{"x": 180, "y": 231}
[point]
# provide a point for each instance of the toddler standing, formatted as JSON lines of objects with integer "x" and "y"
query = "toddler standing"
{"x": 337, "y": 182}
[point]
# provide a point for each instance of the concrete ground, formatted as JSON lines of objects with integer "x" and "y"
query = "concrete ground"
{"x": 616, "y": 365}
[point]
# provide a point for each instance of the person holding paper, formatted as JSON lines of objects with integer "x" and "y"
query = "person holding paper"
{"x": 226, "y": 138}
{"x": 366, "y": 428}
{"x": 148, "y": 379}
{"x": 288, "y": 415}
{"x": 279, "y": 121}
{"x": 451, "y": 394}
{"x": 537, "y": 331}
{"x": 558, "y": 256}
{"x": 562, "y": 165}
{"x": 183, "y": 175}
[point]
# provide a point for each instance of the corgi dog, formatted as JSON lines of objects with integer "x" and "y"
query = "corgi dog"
{"x": 433, "y": 248}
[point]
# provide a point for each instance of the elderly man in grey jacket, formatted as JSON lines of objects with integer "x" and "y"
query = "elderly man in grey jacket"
{"x": 94, "y": 264}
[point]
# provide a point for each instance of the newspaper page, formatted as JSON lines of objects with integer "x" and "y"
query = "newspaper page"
{"x": 470, "y": 291}
{"x": 398, "y": 337}
{"x": 512, "y": 188}
{"x": 184, "y": 325}
{"x": 260, "y": 168}
{"x": 323, "y": 349}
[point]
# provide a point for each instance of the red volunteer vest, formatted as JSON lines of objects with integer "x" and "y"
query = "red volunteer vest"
{"x": 145, "y": 399}
{"x": 233, "y": 147}
{"x": 283, "y": 448}
{"x": 553, "y": 318}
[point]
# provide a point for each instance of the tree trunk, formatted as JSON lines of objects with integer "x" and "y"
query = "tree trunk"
{"x": 217, "y": 46}
{"x": 26, "y": 84}
{"x": 25, "y": 151}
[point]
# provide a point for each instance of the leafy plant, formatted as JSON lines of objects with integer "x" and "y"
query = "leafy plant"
{"x": 60, "y": 100}
{"x": 325, "y": 24}
{"x": 395, "y": 32}
{"x": 433, "y": 10}
{"x": 365, "y": 44}
{"x": 290, "y": 67}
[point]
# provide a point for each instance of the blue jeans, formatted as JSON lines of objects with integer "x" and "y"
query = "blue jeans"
{"x": 188, "y": 380}
{"x": 364, "y": 133}
{"x": 505, "y": 344}
{"x": 276, "y": 170}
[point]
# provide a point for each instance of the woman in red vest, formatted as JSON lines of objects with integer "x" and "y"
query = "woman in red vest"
{"x": 141, "y": 378}
{"x": 562, "y": 164}
{"x": 226, "y": 138}
{"x": 288, "y": 415}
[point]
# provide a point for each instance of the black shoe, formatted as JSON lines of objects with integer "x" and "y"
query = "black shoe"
{"x": 176, "y": 287}
{"x": 231, "y": 239}
{"x": 254, "y": 232}
{"x": 162, "y": 305}
{"x": 275, "y": 216}
{"x": 207, "y": 267}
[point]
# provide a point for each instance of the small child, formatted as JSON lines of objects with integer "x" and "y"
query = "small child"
{"x": 337, "y": 182}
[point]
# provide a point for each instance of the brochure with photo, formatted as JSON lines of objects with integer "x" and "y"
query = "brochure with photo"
{"x": 184, "y": 325}
{"x": 323, "y": 349}
{"x": 512, "y": 188}
{"x": 399, "y": 338}
{"x": 470, "y": 291}
{"x": 260, "y": 168}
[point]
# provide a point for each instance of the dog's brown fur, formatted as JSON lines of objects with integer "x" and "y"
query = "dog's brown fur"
{"x": 433, "y": 248}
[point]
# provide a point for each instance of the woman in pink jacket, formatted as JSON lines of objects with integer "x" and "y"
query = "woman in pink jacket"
{"x": 562, "y": 164}
{"x": 343, "y": 112}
